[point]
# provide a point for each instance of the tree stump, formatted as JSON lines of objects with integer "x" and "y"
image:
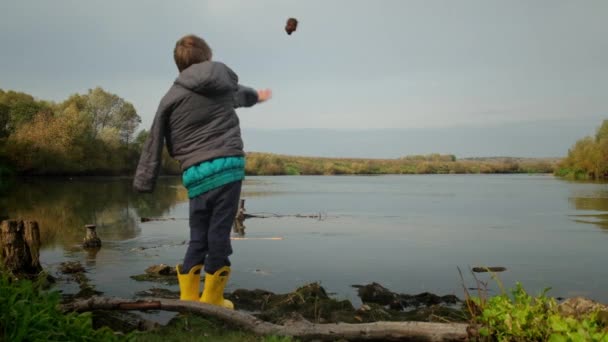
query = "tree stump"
{"x": 20, "y": 247}
{"x": 91, "y": 240}
{"x": 239, "y": 220}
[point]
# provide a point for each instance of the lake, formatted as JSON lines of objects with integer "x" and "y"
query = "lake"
{"x": 409, "y": 233}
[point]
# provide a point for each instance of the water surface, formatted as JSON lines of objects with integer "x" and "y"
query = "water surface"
{"x": 409, "y": 233}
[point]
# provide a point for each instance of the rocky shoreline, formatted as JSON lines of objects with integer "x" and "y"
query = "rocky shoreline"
{"x": 310, "y": 302}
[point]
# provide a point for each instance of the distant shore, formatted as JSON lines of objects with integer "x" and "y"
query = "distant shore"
{"x": 274, "y": 164}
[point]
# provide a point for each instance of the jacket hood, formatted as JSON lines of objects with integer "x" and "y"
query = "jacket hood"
{"x": 208, "y": 78}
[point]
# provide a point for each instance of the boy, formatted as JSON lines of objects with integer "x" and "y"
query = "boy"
{"x": 198, "y": 121}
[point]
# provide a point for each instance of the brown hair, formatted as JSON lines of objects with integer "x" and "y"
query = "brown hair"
{"x": 190, "y": 50}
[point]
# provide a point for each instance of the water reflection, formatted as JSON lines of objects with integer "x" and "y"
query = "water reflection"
{"x": 62, "y": 208}
{"x": 596, "y": 201}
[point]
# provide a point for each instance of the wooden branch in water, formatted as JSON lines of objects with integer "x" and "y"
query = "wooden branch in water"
{"x": 386, "y": 331}
{"x": 148, "y": 219}
{"x": 489, "y": 269}
{"x": 272, "y": 238}
{"x": 319, "y": 216}
{"x": 238, "y": 238}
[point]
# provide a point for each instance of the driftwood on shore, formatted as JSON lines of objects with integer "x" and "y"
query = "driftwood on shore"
{"x": 299, "y": 328}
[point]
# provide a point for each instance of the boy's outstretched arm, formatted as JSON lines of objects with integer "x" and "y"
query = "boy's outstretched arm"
{"x": 151, "y": 154}
{"x": 247, "y": 97}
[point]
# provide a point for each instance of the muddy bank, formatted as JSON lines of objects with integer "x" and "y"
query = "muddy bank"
{"x": 74, "y": 272}
{"x": 312, "y": 303}
{"x": 379, "y": 304}
{"x": 307, "y": 304}
{"x": 161, "y": 273}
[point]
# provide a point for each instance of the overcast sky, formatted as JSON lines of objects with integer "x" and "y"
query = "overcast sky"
{"x": 350, "y": 65}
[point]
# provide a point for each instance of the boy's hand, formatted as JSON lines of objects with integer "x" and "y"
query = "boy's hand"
{"x": 264, "y": 95}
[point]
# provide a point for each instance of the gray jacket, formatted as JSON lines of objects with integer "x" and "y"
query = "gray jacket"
{"x": 197, "y": 120}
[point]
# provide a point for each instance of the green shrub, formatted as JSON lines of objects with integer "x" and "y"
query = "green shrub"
{"x": 28, "y": 313}
{"x": 6, "y": 175}
{"x": 521, "y": 317}
{"x": 292, "y": 170}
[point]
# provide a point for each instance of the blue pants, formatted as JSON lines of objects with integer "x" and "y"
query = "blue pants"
{"x": 211, "y": 218}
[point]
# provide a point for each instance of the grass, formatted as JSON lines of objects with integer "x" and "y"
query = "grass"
{"x": 190, "y": 328}
{"x": 30, "y": 313}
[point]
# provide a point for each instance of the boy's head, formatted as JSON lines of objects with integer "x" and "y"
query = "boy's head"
{"x": 190, "y": 50}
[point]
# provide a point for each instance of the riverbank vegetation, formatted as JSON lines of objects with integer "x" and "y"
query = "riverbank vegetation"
{"x": 588, "y": 157}
{"x": 273, "y": 164}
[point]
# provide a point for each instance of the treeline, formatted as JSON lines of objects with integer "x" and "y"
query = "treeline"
{"x": 588, "y": 158}
{"x": 94, "y": 134}
{"x": 273, "y": 164}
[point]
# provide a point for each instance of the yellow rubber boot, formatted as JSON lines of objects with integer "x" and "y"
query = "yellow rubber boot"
{"x": 189, "y": 283}
{"x": 213, "y": 292}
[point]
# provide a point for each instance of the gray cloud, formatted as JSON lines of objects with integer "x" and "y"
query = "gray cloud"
{"x": 351, "y": 64}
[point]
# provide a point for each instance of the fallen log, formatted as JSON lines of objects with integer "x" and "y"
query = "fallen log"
{"x": 302, "y": 329}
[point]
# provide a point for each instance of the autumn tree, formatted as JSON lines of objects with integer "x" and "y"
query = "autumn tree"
{"x": 17, "y": 108}
{"x": 49, "y": 144}
{"x": 112, "y": 114}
